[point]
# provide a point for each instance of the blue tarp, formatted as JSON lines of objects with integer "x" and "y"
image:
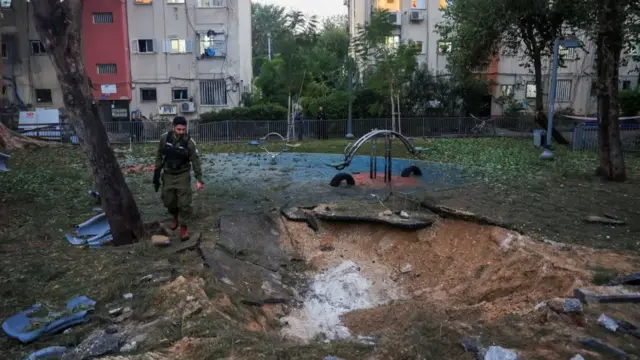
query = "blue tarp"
{"x": 3, "y": 158}
{"x": 27, "y": 329}
{"x": 53, "y": 352}
{"x": 94, "y": 232}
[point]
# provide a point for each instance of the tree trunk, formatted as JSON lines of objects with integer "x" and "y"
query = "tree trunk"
{"x": 393, "y": 109}
{"x": 541, "y": 118}
{"x": 10, "y": 140}
{"x": 399, "y": 119}
{"x": 609, "y": 44}
{"x": 59, "y": 24}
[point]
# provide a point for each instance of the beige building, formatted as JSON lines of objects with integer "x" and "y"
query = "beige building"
{"x": 189, "y": 56}
{"x": 416, "y": 21}
{"x": 28, "y": 74}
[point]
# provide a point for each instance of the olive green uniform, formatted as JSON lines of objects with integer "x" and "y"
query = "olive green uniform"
{"x": 176, "y": 177}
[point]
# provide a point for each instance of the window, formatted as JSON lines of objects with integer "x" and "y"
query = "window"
{"x": 106, "y": 69}
{"x": 568, "y": 53}
{"x": 148, "y": 94}
{"x": 211, "y": 3}
{"x": 5, "y": 51}
{"x": 175, "y": 1}
{"x": 37, "y": 48}
{"x": 43, "y": 96}
{"x": 213, "y": 92}
{"x": 145, "y": 2}
{"x": 420, "y": 47}
{"x": 417, "y": 4}
{"x": 178, "y": 46}
{"x": 213, "y": 44}
{"x": 143, "y": 46}
{"x": 507, "y": 90}
{"x": 103, "y": 18}
{"x": 5, "y": 4}
{"x": 563, "y": 90}
{"x": 392, "y": 41}
{"x": 626, "y": 84}
{"x": 530, "y": 90}
{"x": 180, "y": 94}
{"x": 444, "y": 47}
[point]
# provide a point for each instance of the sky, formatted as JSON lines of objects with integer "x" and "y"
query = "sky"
{"x": 321, "y": 8}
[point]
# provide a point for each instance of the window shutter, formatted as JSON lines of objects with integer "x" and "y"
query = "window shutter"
{"x": 188, "y": 46}
{"x": 166, "y": 47}
{"x": 134, "y": 46}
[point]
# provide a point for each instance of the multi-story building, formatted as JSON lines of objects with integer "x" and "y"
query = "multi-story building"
{"x": 151, "y": 58}
{"x": 189, "y": 56}
{"x": 416, "y": 21}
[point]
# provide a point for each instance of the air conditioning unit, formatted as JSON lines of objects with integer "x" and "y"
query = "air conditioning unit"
{"x": 188, "y": 107}
{"x": 416, "y": 15}
{"x": 395, "y": 18}
{"x": 168, "y": 109}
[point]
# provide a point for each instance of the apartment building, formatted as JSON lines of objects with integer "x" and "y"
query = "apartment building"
{"x": 416, "y": 21}
{"x": 188, "y": 56}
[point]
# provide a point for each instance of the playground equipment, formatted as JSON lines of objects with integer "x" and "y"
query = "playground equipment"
{"x": 351, "y": 149}
{"x": 261, "y": 143}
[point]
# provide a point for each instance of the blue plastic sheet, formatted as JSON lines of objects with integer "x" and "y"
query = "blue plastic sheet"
{"x": 27, "y": 329}
{"x": 94, "y": 232}
{"x": 53, "y": 352}
{"x": 3, "y": 158}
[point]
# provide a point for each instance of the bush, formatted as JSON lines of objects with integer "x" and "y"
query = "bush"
{"x": 630, "y": 102}
{"x": 255, "y": 112}
{"x": 335, "y": 105}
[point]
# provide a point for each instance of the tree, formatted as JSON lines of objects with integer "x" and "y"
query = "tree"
{"x": 480, "y": 29}
{"x": 58, "y": 24}
{"x": 614, "y": 25}
{"x": 388, "y": 66}
{"x": 266, "y": 19}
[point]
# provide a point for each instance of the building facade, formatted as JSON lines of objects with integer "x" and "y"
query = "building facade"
{"x": 416, "y": 21}
{"x": 189, "y": 56}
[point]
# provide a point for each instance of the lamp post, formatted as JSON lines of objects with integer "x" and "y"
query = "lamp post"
{"x": 349, "y": 134}
{"x": 567, "y": 44}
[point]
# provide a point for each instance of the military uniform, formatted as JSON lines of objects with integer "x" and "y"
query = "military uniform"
{"x": 179, "y": 154}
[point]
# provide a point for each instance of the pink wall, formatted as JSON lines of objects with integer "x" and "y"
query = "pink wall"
{"x": 107, "y": 44}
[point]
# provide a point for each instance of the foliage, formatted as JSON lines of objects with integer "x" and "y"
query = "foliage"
{"x": 630, "y": 102}
{"x": 262, "y": 111}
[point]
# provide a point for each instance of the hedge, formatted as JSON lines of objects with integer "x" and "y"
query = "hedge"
{"x": 254, "y": 112}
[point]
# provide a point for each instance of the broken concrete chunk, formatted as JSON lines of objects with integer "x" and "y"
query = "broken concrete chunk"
{"x": 387, "y": 213}
{"x": 500, "y": 353}
{"x": 577, "y": 357}
{"x": 598, "y": 345}
{"x": 404, "y": 215}
{"x": 472, "y": 345}
{"x": 406, "y": 268}
{"x": 160, "y": 240}
{"x": 98, "y": 344}
{"x": 567, "y": 305}
{"x": 127, "y": 296}
{"x": 631, "y": 279}
{"x": 607, "y": 294}
{"x": 608, "y": 322}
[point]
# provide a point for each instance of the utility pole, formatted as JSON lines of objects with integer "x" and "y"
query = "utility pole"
{"x": 349, "y": 76}
{"x": 269, "y": 44}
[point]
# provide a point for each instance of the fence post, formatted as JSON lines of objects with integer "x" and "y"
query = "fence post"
{"x": 228, "y": 132}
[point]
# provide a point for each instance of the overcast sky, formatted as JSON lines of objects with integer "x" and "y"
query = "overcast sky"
{"x": 321, "y": 8}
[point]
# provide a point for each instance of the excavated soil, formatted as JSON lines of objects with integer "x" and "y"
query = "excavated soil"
{"x": 461, "y": 269}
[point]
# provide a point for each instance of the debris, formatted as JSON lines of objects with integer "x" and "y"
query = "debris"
{"x": 406, "y": 268}
{"x": 568, "y": 305}
{"x": 577, "y": 357}
{"x": 608, "y": 322}
{"x": 603, "y": 220}
{"x": 97, "y": 344}
{"x": 160, "y": 240}
{"x": 500, "y": 353}
{"x": 631, "y": 279}
{"x": 404, "y": 215}
{"x": 597, "y": 345}
{"x": 51, "y": 352}
{"x": 472, "y": 345}
{"x": 127, "y": 296}
{"x": 607, "y": 294}
{"x": 3, "y": 158}
{"x": 26, "y": 329}
{"x": 387, "y": 213}
{"x": 115, "y": 312}
{"x": 129, "y": 347}
{"x": 94, "y": 232}
{"x": 126, "y": 313}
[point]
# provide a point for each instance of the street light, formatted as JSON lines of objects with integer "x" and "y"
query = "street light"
{"x": 349, "y": 134}
{"x": 567, "y": 44}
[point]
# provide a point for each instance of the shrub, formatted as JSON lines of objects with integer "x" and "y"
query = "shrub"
{"x": 630, "y": 102}
{"x": 264, "y": 111}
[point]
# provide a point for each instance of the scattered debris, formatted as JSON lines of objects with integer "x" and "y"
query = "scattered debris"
{"x": 406, "y": 268}
{"x": 99, "y": 343}
{"x": 115, "y": 312}
{"x": 404, "y": 215}
{"x": 3, "y": 159}
{"x": 500, "y": 353}
{"x": 631, "y": 279}
{"x": 607, "y": 294}
{"x": 566, "y": 305}
{"x": 160, "y": 240}
{"x": 137, "y": 168}
{"x": 26, "y": 328}
{"x": 127, "y": 296}
{"x": 608, "y": 322}
{"x": 51, "y": 352}
{"x": 577, "y": 357}
{"x": 598, "y": 345}
{"x": 603, "y": 220}
{"x": 387, "y": 213}
{"x": 94, "y": 232}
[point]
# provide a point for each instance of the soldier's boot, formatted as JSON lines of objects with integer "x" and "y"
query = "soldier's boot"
{"x": 174, "y": 223}
{"x": 184, "y": 233}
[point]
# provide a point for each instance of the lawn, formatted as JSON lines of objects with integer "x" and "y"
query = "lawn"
{"x": 45, "y": 194}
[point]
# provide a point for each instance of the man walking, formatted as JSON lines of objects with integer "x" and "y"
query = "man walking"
{"x": 323, "y": 124}
{"x": 177, "y": 154}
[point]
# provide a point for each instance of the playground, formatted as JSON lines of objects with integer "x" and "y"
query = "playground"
{"x": 482, "y": 247}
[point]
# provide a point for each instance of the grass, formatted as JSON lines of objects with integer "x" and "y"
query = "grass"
{"x": 44, "y": 196}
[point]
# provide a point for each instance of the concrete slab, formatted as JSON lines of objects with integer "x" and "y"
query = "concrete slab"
{"x": 360, "y": 211}
{"x": 608, "y": 294}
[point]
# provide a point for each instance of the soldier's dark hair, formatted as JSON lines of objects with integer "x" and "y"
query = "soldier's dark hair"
{"x": 179, "y": 120}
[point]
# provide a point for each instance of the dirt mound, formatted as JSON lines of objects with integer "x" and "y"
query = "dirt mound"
{"x": 453, "y": 267}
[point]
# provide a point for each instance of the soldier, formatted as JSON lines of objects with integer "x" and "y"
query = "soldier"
{"x": 177, "y": 153}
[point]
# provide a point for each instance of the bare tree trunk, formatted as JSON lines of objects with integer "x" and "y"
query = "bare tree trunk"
{"x": 609, "y": 44}
{"x": 540, "y": 117}
{"x": 393, "y": 110}
{"x": 59, "y": 24}
{"x": 399, "y": 121}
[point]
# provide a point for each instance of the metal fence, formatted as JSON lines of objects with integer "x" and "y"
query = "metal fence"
{"x": 584, "y": 136}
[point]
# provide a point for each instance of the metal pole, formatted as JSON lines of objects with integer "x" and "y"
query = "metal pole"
{"x": 269, "y": 44}
{"x": 552, "y": 100}
{"x": 349, "y": 79}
